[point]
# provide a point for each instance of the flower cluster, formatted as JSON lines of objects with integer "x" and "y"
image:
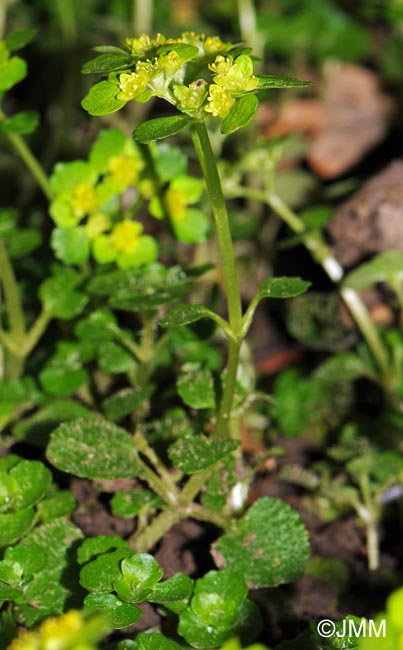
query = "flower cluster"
{"x": 88, "y": 198}
{"x": 68, "y": 632}
{"x": 162, "y": 72}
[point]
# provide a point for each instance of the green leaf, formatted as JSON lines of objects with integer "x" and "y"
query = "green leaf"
{"x": 218, "y": 598}
{"x": 101, "y": 99}
{"x": 60, "y": 504}
{"x": 109, "y": 143}
{"x": 23, "y": 561}
{"x": 114, "y": 359}
{"x": 99, "y": 574}
{"x": 150, "y": 641}
{"x": 19, "y": 38}
{"x": 161, "y": 127}
{"x": 268, "y": 545}
{"x": 14, "y": 526}
{"x": 62, "y": 379}
{"x": 66, "y": 176}
{"x": 141, "y": 572}
{"x": 129, "y": 504}
{"x": 125, "y": 402}
{"x": 200, "y": 635}
{"x": 240, "y": 114}
{"x": 23, "y": 242}
{"x": 275, "y": 81}
{"x": 118, "y": 613}
{"x": 47, "y": 592}
{"x": 94, "y": 546}
{"x": 93, "y": 448}
{"x": 71, "y": 245}
{"x": 285, "y": 287}
{"x": 179, "y": 587}
{"x": 196, "y": 387}
{"x": 197, "y": 453}
{"x": 32, "y": 480}
{"x": 12, "y": 72}
{"x": 347, "y": 366}
{"x": 184, "y": 314}
{"x": 22, "y": 123}
{"x": 59, "y": 297}
{"x": 107, "y": 62}
{"x": 185, "y": 52}
{"x": 381, "y": 268}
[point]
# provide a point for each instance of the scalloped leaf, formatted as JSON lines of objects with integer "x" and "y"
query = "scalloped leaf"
{"x": 195, "y": 454}
{"x": 118, "y": 613}
{"x": 268, "y": 545}
{"x": 161, "y": 127}
{"x": 195, "y": 386}
{"x": 141, "y": 572}
{"x": 93, "y": 448}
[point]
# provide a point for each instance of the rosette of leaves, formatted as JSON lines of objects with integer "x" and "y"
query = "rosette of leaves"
{"x": 118, "y": 579}
{"x": 87, "y": 206}
{"x": 170, "y": 69}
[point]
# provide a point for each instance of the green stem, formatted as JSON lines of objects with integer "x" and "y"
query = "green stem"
{"x": 193, "y": 486}
{"x": 16, "y": 321}
{"x": 36, "y": 331}
{"x": 370, "y": 517}
{"x": 143, "y": 446}
{"x": 209, "y": 167}
{"x": 68, "y": 20}
{"x": 364, "y": 322}
{"x": 31, "y": 162}
{"x": 224, "y": 413}
{"x": 145, "y": 540}
{"x": 211, "y": 516}
{"x": 322, "y": 254}
{"x": 248, "y": 26}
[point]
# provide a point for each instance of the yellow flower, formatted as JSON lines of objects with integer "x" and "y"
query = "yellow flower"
{"x": 59, "y": 633}
{"x": 97, "y": 223}
{"x": 132, "y": 84}
{"x": 221, "y": 65}
{"x": 84, "y": 199}
{"x": 124, "y": 170}
{"x": 214, "y": 44}
{"x": 220, "y": 101}
{"x": 26, "y": 641}
{"x": 126, "y": 234}
{"x": 142, "y": 45}
{"x": 176, "y": 203}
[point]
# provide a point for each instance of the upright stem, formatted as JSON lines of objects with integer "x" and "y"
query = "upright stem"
{"x": 142, "y": 16}
{"x": 322, "y": 254}
{"x": 209, "y": 167}
{"x": 16, "y": 321}
{"x": 32, "y": 163}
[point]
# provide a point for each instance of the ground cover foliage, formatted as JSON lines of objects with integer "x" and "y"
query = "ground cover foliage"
{"x": 201, "y": 353}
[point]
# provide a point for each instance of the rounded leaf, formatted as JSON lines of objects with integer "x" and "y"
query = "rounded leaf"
{"x": 268, "y": 545}
{"x": 93, "y": 448}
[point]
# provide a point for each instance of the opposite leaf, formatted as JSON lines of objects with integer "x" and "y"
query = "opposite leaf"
{"x": 93, "y": 448}
{"x": 282, "y": 288}
{"x": 194, "y": 454}
{"x": 161, "y": 127}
